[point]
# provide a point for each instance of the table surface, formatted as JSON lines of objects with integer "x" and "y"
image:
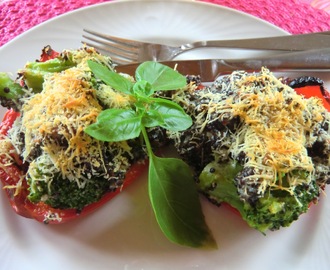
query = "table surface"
{"x": 294, "y": 16}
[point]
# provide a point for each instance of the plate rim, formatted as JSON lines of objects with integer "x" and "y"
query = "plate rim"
{"x": 107, "y": 3}
{"x": 117, "y": 2}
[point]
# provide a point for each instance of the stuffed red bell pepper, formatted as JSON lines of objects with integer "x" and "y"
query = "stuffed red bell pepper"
{"x": 260, "y": 144}
{"x": 50, "y": 169}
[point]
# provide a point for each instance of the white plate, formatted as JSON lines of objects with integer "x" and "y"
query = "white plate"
{"x": 123, "y": 234}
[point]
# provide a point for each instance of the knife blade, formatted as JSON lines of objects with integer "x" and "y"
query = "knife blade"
{"x": 209, "y": 69}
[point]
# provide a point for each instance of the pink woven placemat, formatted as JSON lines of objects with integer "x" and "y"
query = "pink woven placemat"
{"x": 294, "y": 16}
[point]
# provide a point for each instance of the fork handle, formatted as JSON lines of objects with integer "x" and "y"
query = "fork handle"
{"x": 286, "y": 43}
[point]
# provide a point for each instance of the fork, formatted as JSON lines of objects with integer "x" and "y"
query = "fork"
{"x": 126, "y": 51}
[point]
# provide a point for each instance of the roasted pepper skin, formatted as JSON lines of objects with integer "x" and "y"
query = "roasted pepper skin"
{"x": 11, "y": 175}
{"x": 311, "y": 87}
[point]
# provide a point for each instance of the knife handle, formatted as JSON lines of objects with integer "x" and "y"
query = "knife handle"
{"x": 299, "y": 42}
{"x": 316, "y": 60}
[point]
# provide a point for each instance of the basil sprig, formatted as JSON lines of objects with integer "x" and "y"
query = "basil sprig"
{"x": 172, "y": 190}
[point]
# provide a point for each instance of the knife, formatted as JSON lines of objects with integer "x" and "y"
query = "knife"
{"x": 209, "y": 69}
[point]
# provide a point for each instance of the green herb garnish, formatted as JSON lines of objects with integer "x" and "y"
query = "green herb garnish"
{"x": 172, "y": 190}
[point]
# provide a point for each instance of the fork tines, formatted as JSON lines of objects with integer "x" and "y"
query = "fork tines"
{"x": 121, "y": 50}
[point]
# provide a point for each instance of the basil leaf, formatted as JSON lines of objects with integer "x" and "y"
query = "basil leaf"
{"x": 175, "y": 201}
{"x": 111, "y": 78}
{"x": 143, "y": 89}
{"x": 172, "y": 190}
{"x": 161, "y": 77}
{"x": 152, "y": 118}
{"x": 171, "y": 115}
{"x": 115, "y": 125}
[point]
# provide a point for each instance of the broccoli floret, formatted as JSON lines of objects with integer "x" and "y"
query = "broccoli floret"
{"x": 10, "y": 92}
{"x": 278, "y": 208}
{"x": 31, "y": 78}
{"x": 34, "y": 72}
{"x": 65, "y": 194}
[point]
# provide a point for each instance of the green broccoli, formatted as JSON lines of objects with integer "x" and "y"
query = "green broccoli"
{"x": 278, "y": 208}
{"x": 65, "y": 194}
{"x": 32, "y": 76}
{"x": 47, "y": 185}
{"x": 34, "y": 72}
{"x": 10, "y": 92}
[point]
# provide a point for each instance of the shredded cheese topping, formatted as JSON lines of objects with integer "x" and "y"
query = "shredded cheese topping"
{"x": 61, "y": 120}
{"x": 53, "y": 122}
{"x": 7, "y": 158}
{"x": 276, "y": 125}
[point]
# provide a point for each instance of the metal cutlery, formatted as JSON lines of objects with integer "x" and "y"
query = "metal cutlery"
{"x": 125, "y": 51}
{"x": 209, "y": 69}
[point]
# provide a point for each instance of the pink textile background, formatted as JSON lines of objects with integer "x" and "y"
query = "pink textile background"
{"x": 294, "y": 16}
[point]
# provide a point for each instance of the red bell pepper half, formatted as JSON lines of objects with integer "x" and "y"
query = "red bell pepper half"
{"x": 16, "y": 188}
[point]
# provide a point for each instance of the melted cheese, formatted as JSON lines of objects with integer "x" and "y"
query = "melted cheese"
{"x": 276, "y": 123}
{"x": 53, "y": 124}
{"x": 276, "y": 126}
{"x": 7, "y": 159}
{"x": 46, "y": 117}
